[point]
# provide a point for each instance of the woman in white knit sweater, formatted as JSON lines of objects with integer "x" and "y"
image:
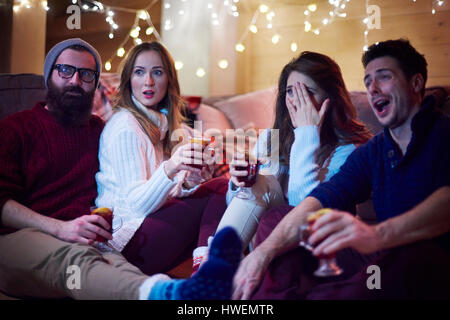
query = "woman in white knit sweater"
{"x": 317, "y": 131}
{"x": 144, "y": 173}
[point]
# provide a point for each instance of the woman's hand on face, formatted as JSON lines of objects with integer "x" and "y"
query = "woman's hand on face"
{"x": 301, "y": 108}
{"x": 184, "y": 155}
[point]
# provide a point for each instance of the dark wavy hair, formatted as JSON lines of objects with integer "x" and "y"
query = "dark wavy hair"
{"x": 410, "y": 61}
{"x": 338, "y": 126}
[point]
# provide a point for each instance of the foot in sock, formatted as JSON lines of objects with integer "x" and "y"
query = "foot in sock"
{"x": 213, "y": 281}
{"x": 229, "y": 249}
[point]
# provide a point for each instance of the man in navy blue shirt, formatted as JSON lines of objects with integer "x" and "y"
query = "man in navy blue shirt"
{"x": 407, "y": 170}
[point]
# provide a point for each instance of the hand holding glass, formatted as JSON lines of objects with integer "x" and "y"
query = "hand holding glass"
{"x": 327, "y": 263}
{"x": 249, "y": 180}
{"x": 108, "y": 215}
{"x": 204, "y": 143}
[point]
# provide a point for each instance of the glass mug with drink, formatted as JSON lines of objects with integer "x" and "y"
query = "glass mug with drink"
{"x": 108, "y": 215}
{"x": 204, "y": 143}
{"x": 327, "y": 263}
{"x": 249, "y": 179}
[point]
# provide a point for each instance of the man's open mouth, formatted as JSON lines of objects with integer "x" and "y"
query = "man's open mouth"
{"x": 381, "y": 104}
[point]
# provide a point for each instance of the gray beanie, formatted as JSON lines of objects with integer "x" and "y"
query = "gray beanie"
{"x": 54, "y": 53}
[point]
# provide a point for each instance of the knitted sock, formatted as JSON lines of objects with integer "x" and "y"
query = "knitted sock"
{"x": 213, "y": 281}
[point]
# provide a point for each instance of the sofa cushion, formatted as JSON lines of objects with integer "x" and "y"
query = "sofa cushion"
{"x": 364, "y": 111}
{"x": 20, "y": 92}
{"x": 213, "y": 121}
{"x": 255, "y": 109}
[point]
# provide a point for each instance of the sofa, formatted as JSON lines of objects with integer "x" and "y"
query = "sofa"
{"x": 216, "y": 115}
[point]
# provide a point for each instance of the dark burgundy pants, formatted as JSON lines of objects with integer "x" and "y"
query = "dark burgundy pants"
{"x": 417, "y": 271}
{"x": 168, "y": 236}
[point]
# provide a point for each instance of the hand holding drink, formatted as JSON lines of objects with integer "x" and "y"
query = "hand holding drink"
{"x": 245, "y": 172}
{"x": 107, "y": 214}
{"x": 251, "y": 168}
{"x": 192, "y": 156}
{"x": 327, "y": 263}
{"x": 202, "y": 143}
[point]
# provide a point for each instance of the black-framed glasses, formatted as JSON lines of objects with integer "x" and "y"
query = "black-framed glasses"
{"x": 66, "y": 71}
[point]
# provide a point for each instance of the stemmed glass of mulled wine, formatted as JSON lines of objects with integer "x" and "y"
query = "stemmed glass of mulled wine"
{"x": 327, "y": 263}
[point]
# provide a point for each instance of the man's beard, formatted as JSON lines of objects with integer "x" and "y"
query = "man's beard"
{"x": 68, "y": 109}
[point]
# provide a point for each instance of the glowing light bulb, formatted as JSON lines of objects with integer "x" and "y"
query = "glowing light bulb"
{"x": 179, "y": 65}
{"x": 307, "y": 26}
{"x": 294, "y": 46}
{"x": 111, "y": 35}
{"x": 276, "y": 39}
{"x": 240, "y": 47}
{"x": 263, "y": 8}
{"x": 107, "y": 66}
{"x": 120, "y": 52}
{"x": 223, "y": 64}
{"x": 253, "y": 28}
{"x": 312, "y": 7}
{"x": 200, "y": 72}
{"x": 143, "y": 15}
{"x": 149, "y": 31}
{"x": 134, "y": 33}
{"x": 45, "y": 5}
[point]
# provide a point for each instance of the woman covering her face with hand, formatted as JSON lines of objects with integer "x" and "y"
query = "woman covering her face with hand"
{"x": 317, "y": 131}
{"x": 145, "y": 174}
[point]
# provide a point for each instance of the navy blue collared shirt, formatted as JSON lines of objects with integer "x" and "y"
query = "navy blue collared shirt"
{"x": 398, "y": 182}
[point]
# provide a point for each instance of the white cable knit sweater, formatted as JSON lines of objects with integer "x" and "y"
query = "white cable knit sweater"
{"x": 132, "y": 179}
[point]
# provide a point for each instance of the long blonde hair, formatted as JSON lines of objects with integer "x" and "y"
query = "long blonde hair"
{"x": 172, "y": 101}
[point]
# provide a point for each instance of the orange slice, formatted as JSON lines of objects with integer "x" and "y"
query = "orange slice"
{"x": 203, "y": 141}
{"x": 316, "y": 215}
{"x": 102, "y": 211}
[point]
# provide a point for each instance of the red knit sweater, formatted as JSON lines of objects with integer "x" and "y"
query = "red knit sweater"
{"x": 46, "y": 166}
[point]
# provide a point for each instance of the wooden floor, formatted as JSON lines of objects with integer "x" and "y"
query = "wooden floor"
{"x": 182, "y": 271}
